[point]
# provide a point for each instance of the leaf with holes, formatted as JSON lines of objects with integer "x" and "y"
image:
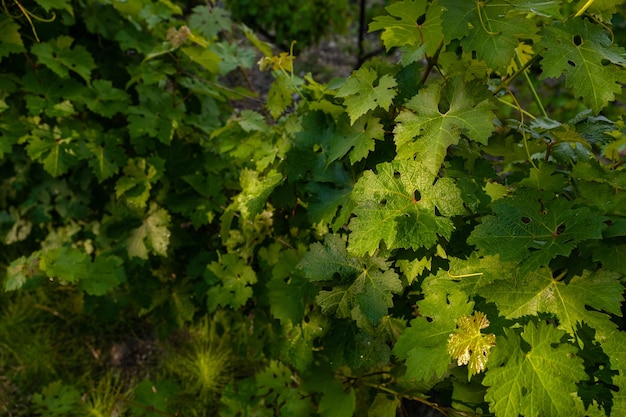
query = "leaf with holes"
{"x": 403, "y": 206}
{"x": 535, "y": 377}
{"x": 401, "y": 27}
{"x": 491, "y": 31}
{"x": 585, "y": 299}
{"x": 436, "y": 118}
{"x": 593, "y": 66}
{"x": 528, "y": 230}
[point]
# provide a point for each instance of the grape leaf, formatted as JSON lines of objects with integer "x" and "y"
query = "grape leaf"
{"x": 289, "y": 290}
{"x": 56, "y": 399}
{"x": 276, "y": 387}
{"x": 538, "y": 380}
{"x": 366, "y": 300}
{"x": 361, "y": 95}
{"x": 230, "y": 279}
{"x": 384, "y": 406}
{"x": 585, "y": 299}
{"x": 615, "y": 348}
{"x": 528, "y": 230}
{"x": 593, "y": 66}
{"x": 153, "y": 235}
{"x": 58, "y": 55}
{"x": 11, "y": 40}
{"x": 425, "y": 131}
{"x": 337, "y": 401}
{"x": 491, "y": 31}
{"x": 153, "y": 395}
{"x": 400, "y": 28}
{"x": 107, "y": 158}
{"x": 402, "y": 206}
{"x": 468, "y": 345}
{"x": 65, "y": 264}
{"x": 209, "y": 21}
{"x": 57, "y": 153}
{"x": 139, "y": 175}
{"x": 280, "y": 95}
{"x": 106, "y": 100}
{"x": 423, "y": 344}
{"x": 105, "y": 273}
{"x": 358, "y": 140}
{"x": 329, "y": 261}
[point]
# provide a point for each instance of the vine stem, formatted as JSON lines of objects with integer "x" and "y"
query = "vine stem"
{"x": 531, "y": 86}
{"x": 431, "y": 404}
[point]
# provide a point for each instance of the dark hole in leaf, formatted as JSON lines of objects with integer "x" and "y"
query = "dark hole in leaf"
{"x": 421, "y": 19}
{"x": 327, "y": 288}
{"x": 396, "y": 174}
{"x": 605, "y": 62}
{"x": 524, "y": 391}
{"x": 428, "y": 319}
{"x": 526, "y": 220}
{"x": 383, "y": 202}
{"x": 437, "y": 212}
{"x": 307, "y": 319}
{"x": 559, "y": 230}
{"x": 286, "y": 280}
{"x": 578, "y": 40}
{"x": 571, "y": 63}
{"x": 417, "y": 196}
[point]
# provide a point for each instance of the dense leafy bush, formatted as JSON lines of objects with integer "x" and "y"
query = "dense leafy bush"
{"x": 293, "y": 20}
{"x": 445, "y": 230}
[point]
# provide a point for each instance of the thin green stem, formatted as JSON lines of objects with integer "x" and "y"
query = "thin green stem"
{"x": 532, "y": 87}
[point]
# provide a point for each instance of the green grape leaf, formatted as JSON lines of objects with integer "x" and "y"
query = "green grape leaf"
{"x": 337, "y": 401}
{"x": 475, "y": 272}
{"x": 612, "y": 257}
{"x": 425, "y": 131}
{"x": 585, "y": 299}
{"x": 21, "y": 270}
{"x": 57, "y": 153}
{"x": 400, "y": 28}
{"x": 276, "y": 387}
{"x": 615, "y": 349}
{"x": 468, "y": 345}
{"x": 492, "y": 32}
{"x": 298, "y": 340}
{"x": 58, "y": 55}
{"x": 56, "y": 399}
{"x": 528, "y": 230}
{"x": 402, "y": 205}
{"x": 289, "y": 290}
{"x": 55, "y": 4}
{"x": 357, "y": 140}
{"x": 384, "y": 406}
{"x": 361, "y": 95}
{"x": 106, "y": 100}
{"x": 151, "y": 395}
{"x": 139, "y": 174}
{"x": 153, "y": 235}
{"x": 11, "y": 40}
{"x": 107, "y": 157}
{"x": 231, "y": 282}
{"x": 208, "y": 21}
{"x": 105, "y": 274}
{"x": 537, "y": 379}
{"x": 366, "y": 300}
{"x": 255, "y": 191}
{"x": 65, "y": 264}
{"x": 325, "y": 262}
{"x": 593, "y": 66}
{"x": 424, "y": 344}
{"x": 280, "y": 95}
